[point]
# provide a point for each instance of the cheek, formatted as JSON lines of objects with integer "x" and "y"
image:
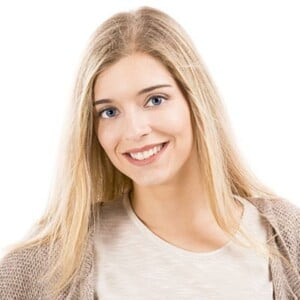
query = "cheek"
{"x": 106, "y": 139}
{"x": 177, "y": 121}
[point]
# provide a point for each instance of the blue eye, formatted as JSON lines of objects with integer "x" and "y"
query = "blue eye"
{"x": 104, "y": 110}
{"x": 156, "y": 97}
{"x": 110, "y": 109}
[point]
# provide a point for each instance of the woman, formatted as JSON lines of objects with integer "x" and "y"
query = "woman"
{"x": 152, "y": 199}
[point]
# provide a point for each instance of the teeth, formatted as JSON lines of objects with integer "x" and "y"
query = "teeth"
{"x": 146, "y": 154}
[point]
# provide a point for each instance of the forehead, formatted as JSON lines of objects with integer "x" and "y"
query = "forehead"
{"x": 131, "y": 74}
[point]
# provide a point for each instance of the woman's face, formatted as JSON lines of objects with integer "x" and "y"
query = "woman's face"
{"x": 134, "y": 120}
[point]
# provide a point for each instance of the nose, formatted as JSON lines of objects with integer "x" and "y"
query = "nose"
{"x": 136, "y": 125}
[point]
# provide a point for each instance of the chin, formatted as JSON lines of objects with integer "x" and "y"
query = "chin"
{"x": 149, "y": 181}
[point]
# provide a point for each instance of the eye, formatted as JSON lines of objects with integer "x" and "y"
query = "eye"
{"x": 157, "y": 97}
{"x": 111, "y": 109}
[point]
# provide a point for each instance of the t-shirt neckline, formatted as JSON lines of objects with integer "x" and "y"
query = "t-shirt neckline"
{"x": 163, "y": 244}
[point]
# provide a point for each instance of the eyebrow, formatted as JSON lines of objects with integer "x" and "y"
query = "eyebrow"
{"x": 143, "y": 91}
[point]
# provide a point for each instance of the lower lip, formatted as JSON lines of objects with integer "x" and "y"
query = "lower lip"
{"x": 147, "y": 160}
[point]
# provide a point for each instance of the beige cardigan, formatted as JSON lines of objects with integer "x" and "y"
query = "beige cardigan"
{"x": 19, "y": 269}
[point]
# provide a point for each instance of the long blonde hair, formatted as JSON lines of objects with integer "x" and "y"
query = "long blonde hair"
{"x": 86, "y": 177}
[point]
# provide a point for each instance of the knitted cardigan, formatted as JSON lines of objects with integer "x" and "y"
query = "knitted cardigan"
{"x": 19, "y": 269}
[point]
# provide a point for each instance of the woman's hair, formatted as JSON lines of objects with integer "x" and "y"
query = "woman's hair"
{"x": 86, "y": 178}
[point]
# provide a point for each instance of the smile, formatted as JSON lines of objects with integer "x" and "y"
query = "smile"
{"x": 146, "y": 157}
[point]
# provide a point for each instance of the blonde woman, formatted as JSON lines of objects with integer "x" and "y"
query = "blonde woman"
{"x": 152, "y": 199}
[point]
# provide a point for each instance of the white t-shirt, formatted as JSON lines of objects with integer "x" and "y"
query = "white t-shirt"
{"x": 134, "y": 263}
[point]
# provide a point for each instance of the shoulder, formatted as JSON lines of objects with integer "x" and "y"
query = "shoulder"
{"x": 19, "y": 273}
{"x": 279, "y": 208}
{"x": 283, "y": 215}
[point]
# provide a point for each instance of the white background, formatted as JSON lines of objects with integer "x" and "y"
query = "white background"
{"x": 251, "y": 49}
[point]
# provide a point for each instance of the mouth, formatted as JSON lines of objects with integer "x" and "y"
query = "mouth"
{"x": 163, "y": 144}
{"x": 149, "y": 159}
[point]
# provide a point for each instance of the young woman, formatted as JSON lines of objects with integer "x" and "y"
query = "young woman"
{"x": 152, "y": 199}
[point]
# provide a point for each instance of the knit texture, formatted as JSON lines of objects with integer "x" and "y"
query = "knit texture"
{"x": 19, "y": 269}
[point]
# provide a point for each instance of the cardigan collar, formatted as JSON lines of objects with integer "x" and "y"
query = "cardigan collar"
{"x": 287, "y": 286}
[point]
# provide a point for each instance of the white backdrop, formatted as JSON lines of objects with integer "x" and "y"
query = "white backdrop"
{"x": 251, "y": 49}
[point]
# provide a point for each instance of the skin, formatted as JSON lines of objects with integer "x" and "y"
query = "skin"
{"x": 168, "y": 195}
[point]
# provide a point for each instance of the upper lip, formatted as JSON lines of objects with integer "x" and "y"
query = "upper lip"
{"x": 145, "y": 148}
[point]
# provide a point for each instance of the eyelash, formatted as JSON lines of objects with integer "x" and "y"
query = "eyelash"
{"x": 108, "y": 108}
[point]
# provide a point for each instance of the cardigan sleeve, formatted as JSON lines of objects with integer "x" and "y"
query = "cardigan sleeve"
{"x": 288, "y": 221}
{"x": 19, "y": 270}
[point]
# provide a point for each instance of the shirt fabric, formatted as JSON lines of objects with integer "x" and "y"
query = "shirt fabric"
{"x": 134, "y": 262}
{"x": 19, "y": 269}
